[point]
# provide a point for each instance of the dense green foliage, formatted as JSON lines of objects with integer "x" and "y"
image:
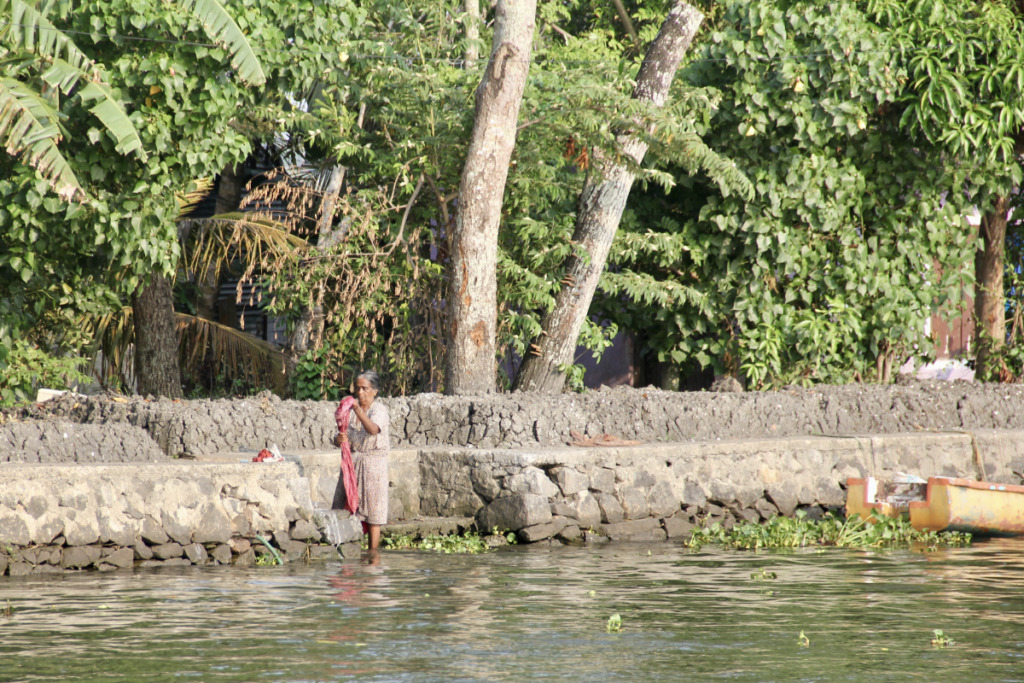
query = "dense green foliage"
{"x": 800, "y": 532}
{"x": 855, "y": 235}
{"x": 59, "y": 260}
{"x": 797, "y": 219}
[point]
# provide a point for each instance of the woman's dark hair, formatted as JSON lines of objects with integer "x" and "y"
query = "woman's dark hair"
{"x": 372, "y": 377}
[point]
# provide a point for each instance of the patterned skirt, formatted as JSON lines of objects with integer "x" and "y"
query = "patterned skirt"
{"x": 372, "y": 478}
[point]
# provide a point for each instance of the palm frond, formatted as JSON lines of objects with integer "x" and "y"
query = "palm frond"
{"x": 29, "y": 125}
{"x": 115, "y": 338}
{"x": 257, "y": 240}
{"x": 222, "y": 29}
{"x": 188, "y": 199}
{"x": 238, "y": 354}
{"x": 30, "y": 30}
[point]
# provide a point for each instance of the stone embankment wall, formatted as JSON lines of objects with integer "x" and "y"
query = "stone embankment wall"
{"x": 201, "y": 427}
{"x": 657, "y": 491}
{"x": 63, "y": 441}
{"x": 54, "y": 518}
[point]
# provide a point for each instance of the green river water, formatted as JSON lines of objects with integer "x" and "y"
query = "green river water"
{"x": 532, "y": 614}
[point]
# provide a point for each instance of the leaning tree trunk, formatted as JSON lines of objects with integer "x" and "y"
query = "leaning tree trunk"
{"x": 156, "y": 339}
{"x": 600, "y": 207}
{"x": 472, "y": 284}
{"x": 989, "y": 304}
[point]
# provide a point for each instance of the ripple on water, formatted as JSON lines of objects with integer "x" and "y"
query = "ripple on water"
{"x": 527, "y": 613}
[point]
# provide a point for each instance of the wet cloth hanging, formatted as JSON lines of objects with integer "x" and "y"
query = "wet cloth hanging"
{"x": 348, "y": 472}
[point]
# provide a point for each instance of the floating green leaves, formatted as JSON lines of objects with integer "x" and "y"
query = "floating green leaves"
{"x": 614, "y": 623}
{"x": 471, "y": 543}
{"x": 799, "y": 531}
{"x": 941, "y": 639}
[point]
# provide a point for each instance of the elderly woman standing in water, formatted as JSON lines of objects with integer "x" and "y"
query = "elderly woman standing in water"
{"x": 370, "y": 440}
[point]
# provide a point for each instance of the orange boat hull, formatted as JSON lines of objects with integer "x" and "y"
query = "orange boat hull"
{"x": 975, "y": 507}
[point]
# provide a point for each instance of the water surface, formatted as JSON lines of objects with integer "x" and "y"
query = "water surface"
{"x": 532, "y": 614}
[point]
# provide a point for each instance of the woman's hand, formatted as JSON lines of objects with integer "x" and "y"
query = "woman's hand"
{"x": 340, "y": 439}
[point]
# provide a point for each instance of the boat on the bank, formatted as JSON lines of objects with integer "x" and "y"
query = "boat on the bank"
{"x": 940, "y": 504}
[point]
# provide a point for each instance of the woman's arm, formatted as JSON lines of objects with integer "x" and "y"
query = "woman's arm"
{"x": 368, "y": 424}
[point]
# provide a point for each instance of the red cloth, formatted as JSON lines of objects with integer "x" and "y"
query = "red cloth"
{"x": 348, "y": 472}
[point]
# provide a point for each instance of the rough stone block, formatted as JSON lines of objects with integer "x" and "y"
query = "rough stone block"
{"x": 484, "y": 484}
{"x": 602, "y": 480}
{"x": 515, "y": 512}
{"x": 828, "y": 492}
{"x": 48, "y": 530}
{"x": 532, "y": 480}
{"x": 560, "y": 507}
{"x": 784, "y": 495}
{"x": 122, "y": 557}
{"x": 178, "y": 532}
{"x": 539, "y": 532}
{"x": 213, "y": 527}
{"x": 142, "y": 551}
{"x": 82, "y": 529}
{"x": 693, "y": 494}
{"x": 766, "y": 509}
{"x": 152, "y": 532}
{"x": 19, "y": 569}
{"x": 151, "y": 563}
{"x": 221, "y": 554}
{"x": 305, "y": 531}
{"x": 323, "y": 552}
{"x": 748, "y": 515}
{"x": 166, "y": 551}
{"x": 590, "y": 537}
{"x": 634, "y": 503}
{"x": 570, "y": 481}
{"x": 3, "y": 563}
{"x": 570, "y": 533}
{"x": 105, "y": 567}
{"x": 624, "y": 531}
{"x": 246, "y": 558}
{"x": 350, "y": 550}
{"x": 80, "y": 556}
{"x": 176, "y": 562}
{"x": 47, "y": 569}
{"x": 611, "y": 509}
{"x": 679, "y": 527}
{"x": 239, "y": 545}
{"x": 196, "y": 553}
{"x": 661, "y": 500}
{"x": 588, "y": 511}
{"x": 29, "y": 555}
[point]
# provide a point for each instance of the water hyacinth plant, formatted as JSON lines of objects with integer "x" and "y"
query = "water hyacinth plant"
{"x": 799, "y": 532}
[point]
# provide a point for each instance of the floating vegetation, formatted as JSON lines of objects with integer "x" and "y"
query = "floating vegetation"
{"x": 469, "y": 542}
{"x": 799, "y": 532}
{"x": 8, "y": 611}
{"x": 804, "y": 640}
{"x": 614, "y": 623}
{"x": 941, "y": 639}
{"x": 764, "y": 575}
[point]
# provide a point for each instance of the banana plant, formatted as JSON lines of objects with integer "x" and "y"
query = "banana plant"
{"x": 45, "y": 72}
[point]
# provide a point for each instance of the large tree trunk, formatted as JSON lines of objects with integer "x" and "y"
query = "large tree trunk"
{"x": 472, "y": 8}
{"x": 472, "y": 286}
{"x": 156, "y": 340}
{"x": 600, "y": 207}
{"x": 989, "y": 303}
